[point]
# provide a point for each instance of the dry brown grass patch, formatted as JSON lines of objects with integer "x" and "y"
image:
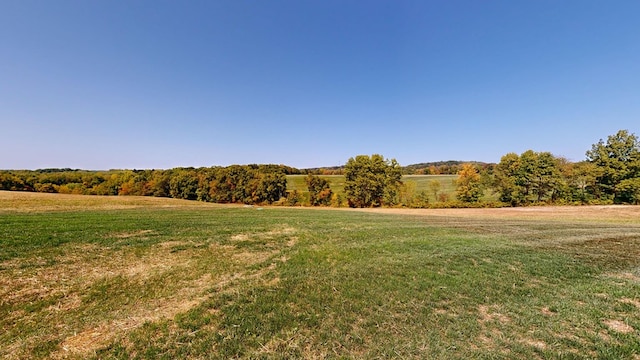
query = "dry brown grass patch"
{"x": 632, "y": 276}
{"x": 91, "y": 339}
{"x": 79, "y": 267}
{"x": 126, "y": 235}
{"x": 253, "y": 257}
{"x": 22, "y": 201}
{"x": 611, "y": 213}
{"x": 240, "y": 237}
{"x": 99, "y": 335}
{"x": 283, "y": 231}
{"x": 538, "y": 344}
{"x": 488, "y": 314}
{"x": 618, "y": 326}
{"x": 633, "y": 302}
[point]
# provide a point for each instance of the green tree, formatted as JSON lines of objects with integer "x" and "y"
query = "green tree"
{"x": 619, "y": 160}
{"x": 629, "y": 190}
{"x": 371, "y": 181}
{"x": 528, "y": 178}
{"x": 581, "y": 178}
{"x": 184, "y": 184}
{"x": 468, "y": 184}
{"x": 319, "y": 191}
{"x": 547, "y": 181}
{"x": 506, "y": 179}
{"x": 270, "y": 187}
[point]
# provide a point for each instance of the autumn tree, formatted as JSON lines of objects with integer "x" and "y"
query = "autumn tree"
{"x": 184, "y": 184}
{"x": 160, "y": 182}
{"x": 232, "y": 185}
{"x": 319, "y": 191}
{"x": 468, "y": 184}
{"x": 434, "y": 186}
{"x": 9, "y": 181}
{"x": 372, "y": 181}
{"x": 271, "y": 186}
{"x": 244, "y": 184}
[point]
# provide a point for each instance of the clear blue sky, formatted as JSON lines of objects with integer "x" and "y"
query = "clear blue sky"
{"x": 160, "y": 84}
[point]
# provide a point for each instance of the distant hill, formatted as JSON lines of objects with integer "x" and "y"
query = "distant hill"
{"x": 441, "y": 167}
{"x": 446, "y": 163}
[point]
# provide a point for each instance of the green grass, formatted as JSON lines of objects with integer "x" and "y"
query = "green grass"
{"x": 297, "y": 182}
{"x": 217, "y": 282}
{"x": 417, "y": 183}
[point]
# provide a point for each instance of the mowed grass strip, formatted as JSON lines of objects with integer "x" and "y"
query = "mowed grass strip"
{"x": 231, "y": 282}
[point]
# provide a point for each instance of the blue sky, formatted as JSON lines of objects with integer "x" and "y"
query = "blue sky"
{"x": 160, "y": 84}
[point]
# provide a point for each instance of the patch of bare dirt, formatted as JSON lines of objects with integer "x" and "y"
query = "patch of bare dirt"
{"x": 618, "y": 326}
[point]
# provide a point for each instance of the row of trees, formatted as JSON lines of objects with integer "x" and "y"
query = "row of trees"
{"x": 610, "y": 174}
{"x": 451, "y": 167}
{"x": 249, "y": 184}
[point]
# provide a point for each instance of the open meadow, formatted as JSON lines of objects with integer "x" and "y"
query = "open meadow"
{"x": 137, "y": 278}
{"x": 414, "y": 183}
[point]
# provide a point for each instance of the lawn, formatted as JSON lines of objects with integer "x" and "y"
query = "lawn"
{"x": 120, "y": 278}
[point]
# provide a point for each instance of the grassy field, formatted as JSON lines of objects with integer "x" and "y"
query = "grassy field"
{"x": 121, "y": 278}
{"x": 417, "y": 183}
{"x": 296, "y": 182}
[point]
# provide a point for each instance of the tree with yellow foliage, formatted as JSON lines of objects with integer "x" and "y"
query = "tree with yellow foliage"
{"x": 468, "y": 185}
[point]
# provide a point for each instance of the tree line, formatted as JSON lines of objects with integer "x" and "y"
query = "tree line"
{"x": 248, "y": 184}
{"x": 610, "y": 174}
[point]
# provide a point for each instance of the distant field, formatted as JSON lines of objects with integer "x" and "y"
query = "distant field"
{"x": 138, "y": 278}
{"x": 420, "y": 183}
{"x": 296, "y": 182}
